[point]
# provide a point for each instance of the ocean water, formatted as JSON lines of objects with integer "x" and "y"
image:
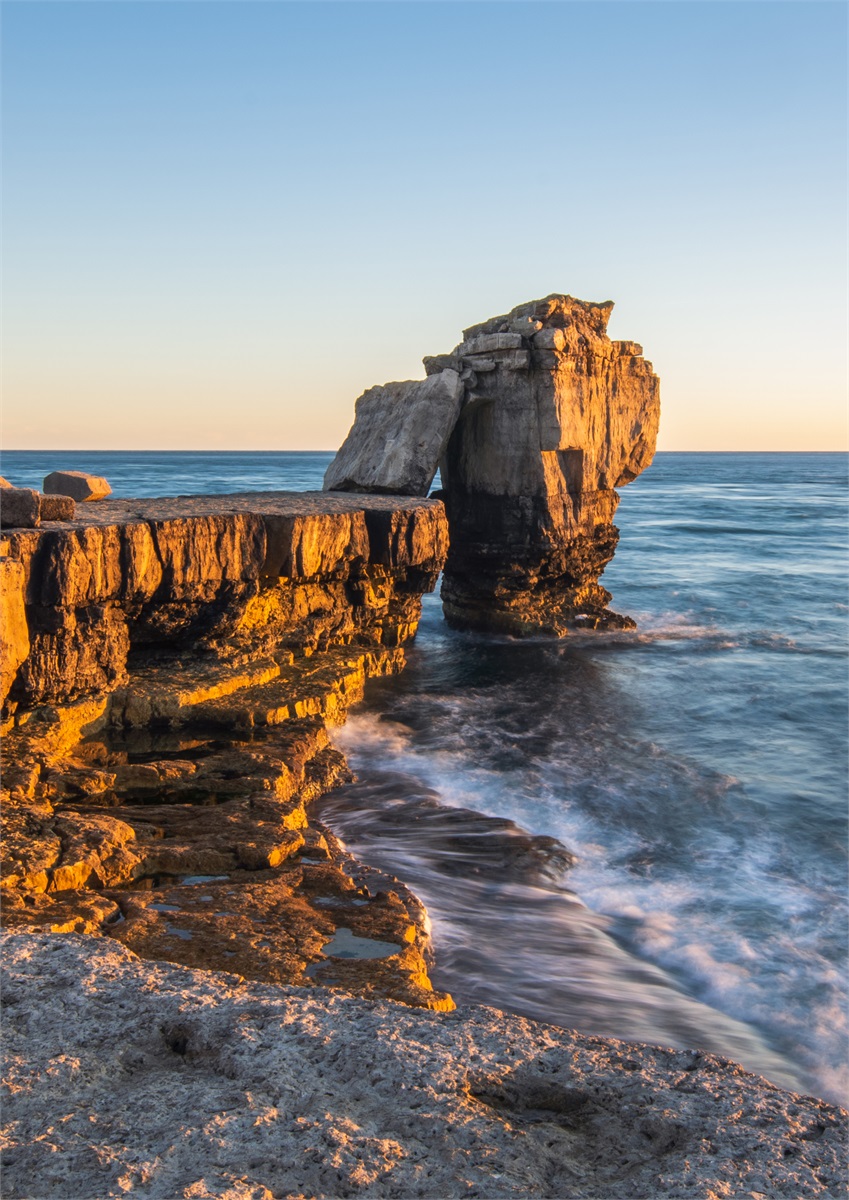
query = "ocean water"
{"x": 696, "y": 767}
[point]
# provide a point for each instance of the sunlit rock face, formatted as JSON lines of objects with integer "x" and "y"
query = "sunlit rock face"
{"x": 535, "y": 419}
{"x": 556, "y": 416}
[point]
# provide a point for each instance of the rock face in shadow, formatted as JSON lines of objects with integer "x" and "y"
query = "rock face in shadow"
{"x": 553, "y": 416}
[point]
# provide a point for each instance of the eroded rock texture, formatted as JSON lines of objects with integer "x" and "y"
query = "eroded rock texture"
{"x": 139, "y": 1078}
{"x": 553, "y": 417}
{"x": 556, "y": 417}
{"x": 172, "y": 667}
{"x": 399, "y": 435}
{"x": 218, "y": 576}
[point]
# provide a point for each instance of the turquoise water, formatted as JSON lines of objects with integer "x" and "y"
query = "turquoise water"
{"x": 698, "y": 767}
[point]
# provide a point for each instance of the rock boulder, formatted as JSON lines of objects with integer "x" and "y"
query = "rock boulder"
{"x": 20, "y": 508}
{"x": 57, "y": 508}
{"x": 77, "y": 484}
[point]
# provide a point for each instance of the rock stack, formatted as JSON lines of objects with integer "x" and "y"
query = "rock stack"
{"x": 552, "y": 417}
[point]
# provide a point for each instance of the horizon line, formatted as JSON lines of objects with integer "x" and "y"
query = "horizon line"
{"x": 210, "y": 450}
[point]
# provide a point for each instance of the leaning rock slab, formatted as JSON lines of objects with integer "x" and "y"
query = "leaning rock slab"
{"x": 541, "y": 417}
{"x": 130, "y": 1077}
{"x": 77, "y": 484}
{"x": 399, "y": 434}
{"x": 20, "y": 508}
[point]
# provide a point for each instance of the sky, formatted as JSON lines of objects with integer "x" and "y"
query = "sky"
{"x": 224, "y": 221}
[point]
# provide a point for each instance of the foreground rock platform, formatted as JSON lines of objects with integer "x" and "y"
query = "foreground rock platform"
{"x": 150, "y": 1079}
{"x": 172, "y": 667}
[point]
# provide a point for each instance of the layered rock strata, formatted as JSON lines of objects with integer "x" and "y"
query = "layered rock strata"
{"x": 171, "y": 667}
{"x": 553, "y": 417}
{"x": 221, "y": 577}
{"x": 557, "y": 417}
{"x": 132, "y": 1077}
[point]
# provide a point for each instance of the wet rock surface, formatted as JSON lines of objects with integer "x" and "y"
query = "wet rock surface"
{"x": 151, "y": 1078}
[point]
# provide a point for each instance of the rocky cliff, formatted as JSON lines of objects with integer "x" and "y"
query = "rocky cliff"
{"x": 221, "y": 577}
{"x": 553, "y": 416}
{"x": 170, "y": 667}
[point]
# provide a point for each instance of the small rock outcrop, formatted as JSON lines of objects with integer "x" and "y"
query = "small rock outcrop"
{"x": 553, "y": 417}
{"x": 79, "y": 485}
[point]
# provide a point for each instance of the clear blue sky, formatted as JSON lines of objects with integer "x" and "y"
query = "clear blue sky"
{"x": 222, "y": 221}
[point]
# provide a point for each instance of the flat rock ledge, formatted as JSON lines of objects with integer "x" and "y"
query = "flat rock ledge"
{"x": 125, "y": 1076}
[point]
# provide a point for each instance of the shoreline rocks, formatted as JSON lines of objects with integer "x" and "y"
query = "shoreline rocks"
{"x": 171, "y": 667}
{"x": 26, "y": 508}
{"x": 157, "y": 1079}
{"x": 79, "y": 485}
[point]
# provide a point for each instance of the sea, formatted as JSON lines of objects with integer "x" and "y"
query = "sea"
{"x": 697, "y": 768}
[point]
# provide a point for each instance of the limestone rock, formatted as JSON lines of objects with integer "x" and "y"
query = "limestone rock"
{"x": 4, "y": 483}
{"x": 77, "y": 484}
{"x": 399, "y": 434}
{"x": 14, "y": 635}
{"x": 132, "y": 1077}
{"x": 20, "y": 508}
{"x": 57, "y": 508}
{"x": 552, "y": 416}
{"x": 530, "y": 470}
{"x": 230, "y": 575}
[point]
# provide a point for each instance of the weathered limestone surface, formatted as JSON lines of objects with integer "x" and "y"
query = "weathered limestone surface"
{"x": 79, "y": 485}
{"x": 225, "y": 575}
{"x": 399, "y": 435}
{"x": 131, "y": 1077}
{"x": 557, "y": 416}
{"x": 57, "y": 508}
{"x": 554, "y": 416}
{"x": 173, "y": 666}
{"x": 20, "y": 508}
